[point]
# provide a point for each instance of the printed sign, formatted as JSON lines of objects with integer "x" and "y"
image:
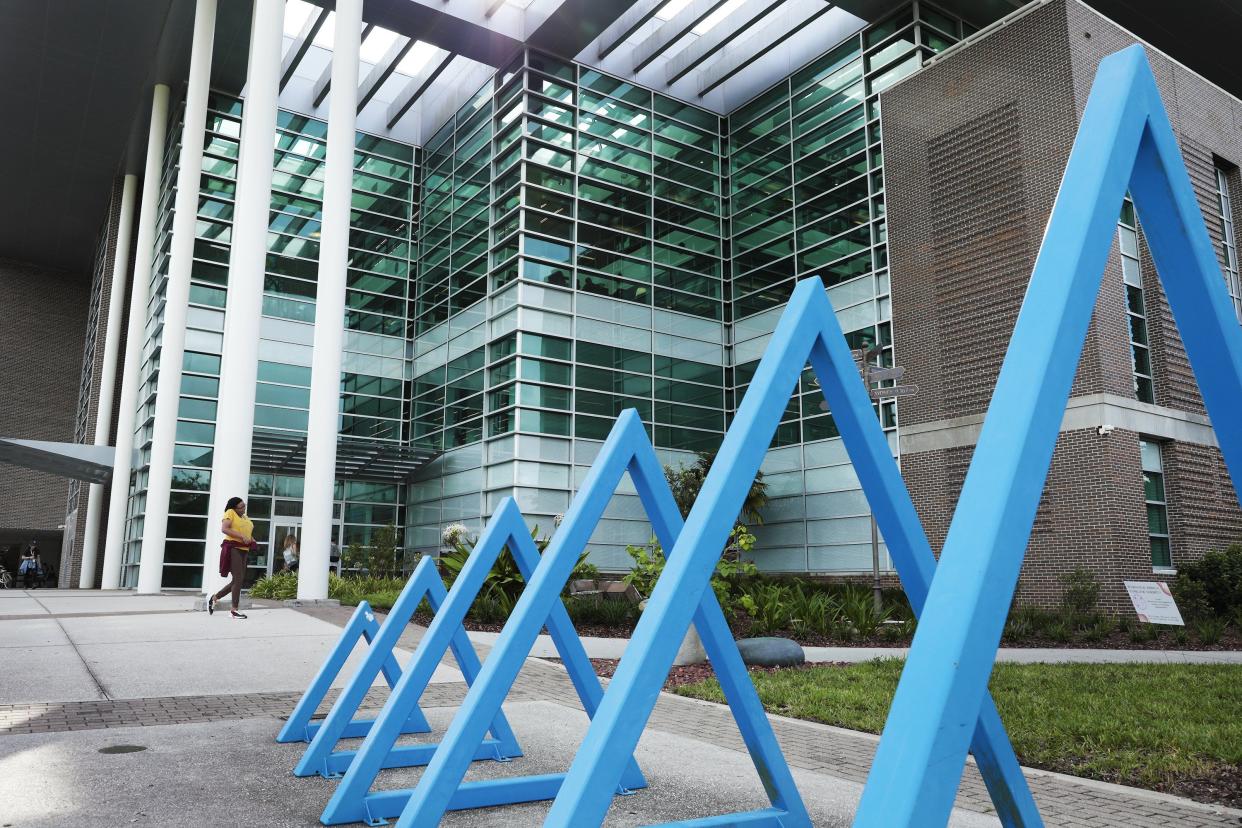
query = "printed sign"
{"x": 1154, "y": 602}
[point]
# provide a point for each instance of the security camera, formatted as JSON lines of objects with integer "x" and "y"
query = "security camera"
{"x": 1104, "y": 429}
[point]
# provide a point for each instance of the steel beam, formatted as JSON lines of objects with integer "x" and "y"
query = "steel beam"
{"x": 324, "y": 85}
{"x": 381, "y": 71}
{"x": 763, "y": 42}
{"x": 710, "y": 44}
{"x": 416, "y": 87}
{"x": 301, "y": 45}
{"x": 626, "y": 25}
{"x": 673, "y": 30}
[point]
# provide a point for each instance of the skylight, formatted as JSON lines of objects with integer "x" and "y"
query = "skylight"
{"x": 377, "y": 44}
{"x": 327, "y": 32}
{"x": 670, "y": 9}
{"x": 297, "y": 12}
{"x": 416, "y": 58}
{"x": 710, "y": 22}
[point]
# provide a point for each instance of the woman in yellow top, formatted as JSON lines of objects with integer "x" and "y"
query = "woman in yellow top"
{"x": 239, "y": 535}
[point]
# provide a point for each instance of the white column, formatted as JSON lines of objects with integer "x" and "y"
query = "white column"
{"x": 176, "y": 299}
{"x": 107, "y": 376}
{"x": 243, "y": 314}
{"x": 325, "y": 395}
{"x": 140, "y": 294}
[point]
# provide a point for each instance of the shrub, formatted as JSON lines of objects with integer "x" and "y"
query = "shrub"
{"x": 380, "y": 559}
{"x": 768, "y": 606}
{"x": 601, "y": 612}
{"x": 1141, "y": 632}
{"x": 282, "y": 586}
{"x": 1180, "y": 636}
{"x": 1100, "y": 629}
{"x": 1027, "y": 622}
{"x": 892, "y": 633}
{"x": 1212, "y": 584}
{"x": 1059, "y": 631}
{"x": 731, "y": 579}
{"x": 505, "y": 576}
{"x": 1081, "y": 593}
{"x": 1208, "y": 630}
{"x": 858, "y": 608}
{"x": 492, "y": 608}
{"x": 812, "y": 610}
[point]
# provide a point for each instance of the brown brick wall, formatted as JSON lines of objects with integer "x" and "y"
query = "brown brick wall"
{"x": 975, "y": 147}
{"x": 42, "y": 317}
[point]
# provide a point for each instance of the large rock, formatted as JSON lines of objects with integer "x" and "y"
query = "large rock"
{"x": 771, "y": 652}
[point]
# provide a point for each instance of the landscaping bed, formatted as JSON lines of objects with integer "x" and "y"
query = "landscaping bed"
{"x": 1173, "y": 728}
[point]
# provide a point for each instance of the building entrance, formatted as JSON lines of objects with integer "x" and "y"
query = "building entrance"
{"x": 287, "y": 527}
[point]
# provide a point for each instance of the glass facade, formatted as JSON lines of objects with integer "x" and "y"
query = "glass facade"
{"x": 566, "y": 245}
{"x": 374, "y": 385}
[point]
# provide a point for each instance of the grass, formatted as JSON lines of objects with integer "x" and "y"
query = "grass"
{"x": 1158, "y": 726}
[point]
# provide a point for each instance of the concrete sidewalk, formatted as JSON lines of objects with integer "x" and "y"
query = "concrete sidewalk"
{"x": 88, "y": 646}
{"x": 204, "y": 749}
{"x": 615, "y": 648}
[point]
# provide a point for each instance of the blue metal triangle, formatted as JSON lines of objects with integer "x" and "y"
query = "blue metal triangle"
{"x": 1124, "y": 141}
{"x": 322, "y": 758}
{"x": 362, "y": 625}
{"x": 626, "y": 449}
{"x": 353, "y": 800}
{"x": 807, "y": 331}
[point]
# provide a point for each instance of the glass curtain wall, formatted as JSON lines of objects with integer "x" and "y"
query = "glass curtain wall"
{"x": 374, "y": 387}
{"x": 587, "y": 211}
{"x": 806, "y": 198}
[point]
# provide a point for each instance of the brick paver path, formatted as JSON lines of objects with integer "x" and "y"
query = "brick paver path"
{"x": 1062, "y": 800}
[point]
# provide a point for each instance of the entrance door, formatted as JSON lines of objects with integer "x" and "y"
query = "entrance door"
{"x": 282, "y": 529}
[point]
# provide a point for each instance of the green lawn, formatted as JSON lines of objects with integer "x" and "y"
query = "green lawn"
{"x": 1162, "y": 726}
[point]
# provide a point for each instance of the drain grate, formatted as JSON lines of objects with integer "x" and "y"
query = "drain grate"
{"x": 122, "y": 748}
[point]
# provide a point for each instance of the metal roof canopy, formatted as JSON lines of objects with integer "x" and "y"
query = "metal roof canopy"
{"x": 75, "y": 460}
{"x": 370, "y": 460}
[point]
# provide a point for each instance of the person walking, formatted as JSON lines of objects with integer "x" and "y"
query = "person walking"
{"x": 234, "y": 550}
{"x": 30, "y": 566}
{"x": 290, "y": 553}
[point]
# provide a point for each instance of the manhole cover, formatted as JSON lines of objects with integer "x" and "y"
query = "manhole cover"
{"x": 122, "y": 748}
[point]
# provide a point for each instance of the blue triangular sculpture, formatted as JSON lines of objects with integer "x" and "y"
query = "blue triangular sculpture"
{"x": 353, "y": 800}
{"x": 626, "y": 449}
{"x": 322, "y": 758}
{"x": 1124, "y": 142}
{"x": 941, "y": 699}
{"x": 362, "y": 625}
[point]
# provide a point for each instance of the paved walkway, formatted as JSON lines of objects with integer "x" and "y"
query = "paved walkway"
{"x": 197, "y": 736}
{"x": 615, "y": 647}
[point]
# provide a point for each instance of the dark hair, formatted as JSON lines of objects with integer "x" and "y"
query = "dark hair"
{"x": 232, "y": 504}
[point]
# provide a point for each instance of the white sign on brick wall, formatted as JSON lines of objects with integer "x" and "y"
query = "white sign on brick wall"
{"x": 1153, "y": 601}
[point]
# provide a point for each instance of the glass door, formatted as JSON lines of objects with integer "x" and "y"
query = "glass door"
{"x": 285, "y": 530}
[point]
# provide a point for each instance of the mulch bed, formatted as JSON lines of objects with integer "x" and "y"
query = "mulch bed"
{"x": 1223, "y": 787}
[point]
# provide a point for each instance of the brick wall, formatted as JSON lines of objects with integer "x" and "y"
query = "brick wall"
{"x": 975, "y": 148}
{"x": 42, "y": 320}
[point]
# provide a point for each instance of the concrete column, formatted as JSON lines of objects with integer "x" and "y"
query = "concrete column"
{"x": 176, "y": 299}
{"x": 140, "y": 294}
{"x": 243, "y": 314}
{"x": 325, "y": 395}
{"x": 107, "y": 377}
